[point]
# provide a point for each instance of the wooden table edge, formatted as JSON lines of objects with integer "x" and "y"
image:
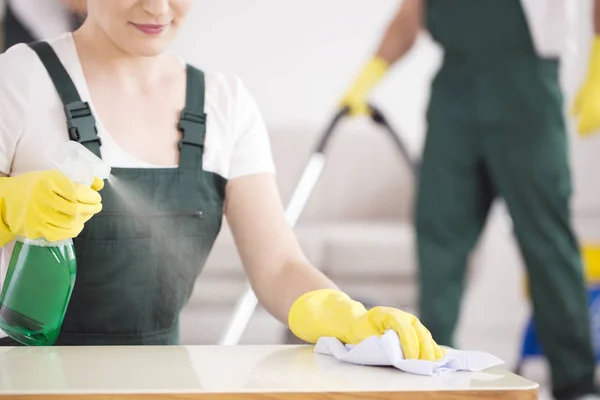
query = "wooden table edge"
{"x": 524, "y": 394}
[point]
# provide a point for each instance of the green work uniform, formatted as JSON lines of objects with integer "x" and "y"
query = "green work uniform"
{"x": 137, "y": 263}
{"x": 496, "y": 129}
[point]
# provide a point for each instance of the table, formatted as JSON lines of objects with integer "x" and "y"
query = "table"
{"x": 230, "y": 373}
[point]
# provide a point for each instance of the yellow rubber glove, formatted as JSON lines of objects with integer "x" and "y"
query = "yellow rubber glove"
{"x": 591, "y": 262}
{"x": 356, "y": 98}
{"x": 330, "y": 312}
{"x": 587, "y": 103}
{"x": 45, "y": 205}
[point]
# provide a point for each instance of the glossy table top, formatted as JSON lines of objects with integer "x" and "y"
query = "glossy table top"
{"x": 218, "y": 369}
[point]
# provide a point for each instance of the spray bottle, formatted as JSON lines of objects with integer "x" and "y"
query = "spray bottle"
{"x": 41, "y": 274}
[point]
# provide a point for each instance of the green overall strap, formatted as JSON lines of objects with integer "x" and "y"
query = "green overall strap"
{"x": 80, "y": 120}
{"x": 193, "y": 121}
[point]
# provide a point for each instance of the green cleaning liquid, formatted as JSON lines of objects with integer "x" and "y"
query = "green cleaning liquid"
{"x": 37, "y": 290}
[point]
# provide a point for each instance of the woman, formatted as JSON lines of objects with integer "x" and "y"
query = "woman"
{"x": 195, "y": 146}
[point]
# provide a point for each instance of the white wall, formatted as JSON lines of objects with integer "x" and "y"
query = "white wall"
{"x": 298, "y": 57}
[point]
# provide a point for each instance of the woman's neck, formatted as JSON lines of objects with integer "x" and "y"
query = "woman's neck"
{"x": 101, "y": 56}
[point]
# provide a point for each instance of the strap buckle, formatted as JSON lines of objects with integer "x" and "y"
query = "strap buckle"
{"x": 192, "y": 122}
{"x": 80, "y": 119}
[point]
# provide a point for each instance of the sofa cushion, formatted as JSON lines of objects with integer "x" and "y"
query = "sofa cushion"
{"x": 369, "y": 249}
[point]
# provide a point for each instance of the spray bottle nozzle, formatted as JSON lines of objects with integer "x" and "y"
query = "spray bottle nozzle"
{"x": 78, "y": 163}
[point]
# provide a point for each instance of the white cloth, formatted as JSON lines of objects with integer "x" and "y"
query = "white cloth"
{"x": 387, "y": 351}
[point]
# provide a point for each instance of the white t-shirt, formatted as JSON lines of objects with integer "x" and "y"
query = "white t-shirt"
{"x": 32, "y": 118}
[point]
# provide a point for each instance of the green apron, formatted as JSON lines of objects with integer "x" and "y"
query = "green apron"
{"x": 136, "y": 266}
{"x": 496, "y": 129}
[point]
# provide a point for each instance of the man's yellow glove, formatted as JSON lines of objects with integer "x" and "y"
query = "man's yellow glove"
{"x": 356, "y": 98}
{"x": 332, "y": 313}
{"x": 587, "y": 103}
{"x": 45, "y": 205}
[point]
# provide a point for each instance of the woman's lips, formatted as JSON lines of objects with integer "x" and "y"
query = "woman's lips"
{"x": 150, "y": 29}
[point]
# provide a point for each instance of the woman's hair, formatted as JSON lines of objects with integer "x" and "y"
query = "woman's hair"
{"x": 78, "y": 7}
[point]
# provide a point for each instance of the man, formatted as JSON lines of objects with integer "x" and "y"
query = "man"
{"x": 29, "y": 20}
{"x": 496, "y": 129}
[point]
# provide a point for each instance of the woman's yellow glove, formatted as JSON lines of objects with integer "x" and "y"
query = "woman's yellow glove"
{"x": 587, "y": 103}
{"x": 332, "y": 313}
{"x": 45, "y": 205}
{"x": 356, "y": 98}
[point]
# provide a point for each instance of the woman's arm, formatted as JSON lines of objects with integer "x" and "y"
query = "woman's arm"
{"x": 298, "y": 294}
{"x": 399, "y": 38}
{"x": 274, "y": 262}
{"x": 402, "y": 32}
{"x": 284, "y": 281}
